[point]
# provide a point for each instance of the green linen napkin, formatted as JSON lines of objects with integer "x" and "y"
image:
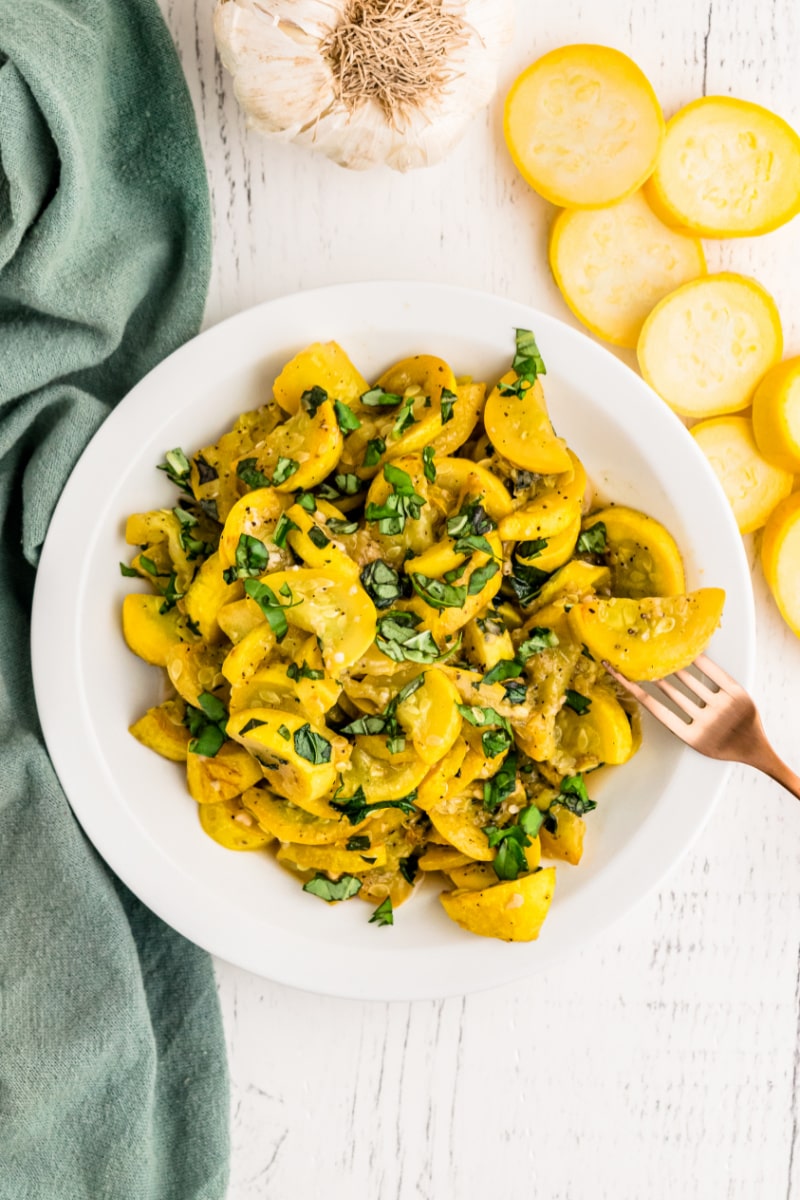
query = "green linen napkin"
{"x": 113, "y": 1080}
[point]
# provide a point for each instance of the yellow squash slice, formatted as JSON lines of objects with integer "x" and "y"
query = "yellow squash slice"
{"x": 705, "y": 347}
{"x": 676, "y": 629}
{"x": 519, "y": 428}
{"x": 614, "y": 264}
{"x": 728, "y": 168}
{"x": 566, "y": 841}
{"x": 776, "y": 415}
{"x": 335, "y": 860}
{"x": 162, "y": 729}
{"x": 150, "y": 633}
{"x": 513, "y": 911}
{"x": 233, "y": 826}
{"x": 780, "y": 558}
{"x": 753, "y": 486}
{"x": 325, "y": 365}
{"x": 299, "y": 760}
{"x": 584, "y": 126}
{"x": 289, "y": 823}
{"x": 207, "y": 595}
{"x": 602, "y": 733}
{"x": 642, "y": 555}
{"x": 229, "y": 773}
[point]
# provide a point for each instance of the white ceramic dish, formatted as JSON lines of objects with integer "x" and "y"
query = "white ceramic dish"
{"x": 134, "y": 806}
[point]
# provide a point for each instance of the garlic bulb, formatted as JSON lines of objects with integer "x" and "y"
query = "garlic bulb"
{"x": 364, "y": 81}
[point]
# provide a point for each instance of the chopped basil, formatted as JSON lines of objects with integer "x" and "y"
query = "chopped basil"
{"x": 578, "y": 703}
{"x": 171, "y": 594}
{"x": 284, "y": 526}
{"x": 284, "y": 732}
{"x": 205, "y": 472}
{"x": 402, "y": 502}
{"x": 206, "y": 724}
{"x": 531, "y": 549}
{"x": 428, "y": 465}
{"x": 348, "y": 421}
{"x": 510, "y": 859}
{"x": 593, "y": 540}
{"x": 438, "y": 594}
{"x": 516, "y": 692}
{"x": 306, "y": 501}
{"x": 573, "y": 795}
{"x": 193, "y": 546}
{"x": 496, "y": 741}
{"x": 312, "y": 398}
{"x": 209, "y": 507}
{"x": 311, "y": 745}
{"x": 270, "y": 606}
{"x": 408, "y": 867}
{"x": 506, "y": 668}
{"x": 128, "y": 572}
{"x": 284, "y": 470}
{"x": 356, "y": 809}
{"x": 481, "y": 576}
{"x": 405, "y": 417}
{"x": 526, "y": 582}
{"x": 248, "y": 472}
{"x": 149, "y": 566}
{"x": 531, "y": 820}
{"x": 342, "y": 528}
{"x": 377, "y": 398}
{"x": 383, "y": 914}
{"x": 528, "y": 361}
{"x": 538, "y": 640}
{"x": 303, "y": 672}
{"x": 502, "y": 784}
{"x": 473, "y": 542}
{"x": 382, "y": 583}
{"x": 472, "y": 518}
{"x": 178, "y": 469}
{"x": 252, "y": 724}
{"x": 375, "y": 448}
{"x": 386, "y": 721}
{"x": 398, "y": 638}
{"x": 318, "y": 538}
{"x": 342, "y": 888}
{"x": 252, "y": 558}
{"x": 448, "y": 401}
{"x": 343, "y": 485}
{"x": 359, "y": 841}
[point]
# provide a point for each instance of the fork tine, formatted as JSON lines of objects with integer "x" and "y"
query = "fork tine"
{"x": 678, "y": 698}
{"x": 693, "y": 684}
{"x": 715, "y": 673}
{"x": 661, "y": 713}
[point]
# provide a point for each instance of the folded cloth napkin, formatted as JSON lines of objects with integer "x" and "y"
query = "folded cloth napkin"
{"x": 113, "y": 1080}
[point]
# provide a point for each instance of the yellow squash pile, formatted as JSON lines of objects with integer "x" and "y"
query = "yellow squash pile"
{"x": 381, "y": 612}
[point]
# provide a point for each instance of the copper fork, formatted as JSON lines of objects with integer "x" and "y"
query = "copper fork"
{"x": 717, "y": 719}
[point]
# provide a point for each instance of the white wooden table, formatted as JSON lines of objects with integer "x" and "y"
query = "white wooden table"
{"x": 663, "y": 1061}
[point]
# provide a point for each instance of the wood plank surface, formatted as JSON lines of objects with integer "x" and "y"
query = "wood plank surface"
{"x": 662, "y": 1062}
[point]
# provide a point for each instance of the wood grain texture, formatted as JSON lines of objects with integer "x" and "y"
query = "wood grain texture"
{"x": 664, "y": 1060}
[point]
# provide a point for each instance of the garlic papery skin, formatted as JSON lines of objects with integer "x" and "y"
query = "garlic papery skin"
{"x": 366, "y": 82}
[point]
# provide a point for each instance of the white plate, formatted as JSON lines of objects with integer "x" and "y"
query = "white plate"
{"x": 89, "y": 687}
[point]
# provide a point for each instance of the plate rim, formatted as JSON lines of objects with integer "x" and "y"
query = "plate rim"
{"x": 44, "y": 632}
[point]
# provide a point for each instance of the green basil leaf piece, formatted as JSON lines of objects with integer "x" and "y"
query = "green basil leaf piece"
{"x": 383, "y": 914}
{"x": 312, "y": 745}
{"x": 332, "y": 890}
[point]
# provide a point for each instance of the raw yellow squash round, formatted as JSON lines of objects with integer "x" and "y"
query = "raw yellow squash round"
{"x": 753, "y": 486}
{"x": 705, "y": 347}
{"x": 513, "y": 911}
{"x": 583, "y": 126}
{"x": 519, "y": 428}
{"x": 780, "y": 558}
{"x": 614, "y": 264}
{"x": 648, "y": 638}
{"x": 776, "y": 415}
{"x": 642, "y": 555}
{"x": 728, "y": 168}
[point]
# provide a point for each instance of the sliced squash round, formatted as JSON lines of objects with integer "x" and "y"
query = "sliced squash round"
{"x": 753, "y": 486}
{"x": 780, "y": 558}
{"x": 776, "y": 415}
{"x": 603, "y": 732}
{"x": 728, "y": 168}
{"x": 519, "y": 428}
{"x": 705, "y": 347}
{"x": 648, "y": 638}
{"x": 583, "y": 126}
{"x": 150, "y": 633}
{"x": 298, "y": 760}
{"x": 233, "y": 826}
{"x": 614, "y": 264}
{"x": 642, "y": 555}
{"x": 324, "y": 365}
{"x": 513, "y": 911}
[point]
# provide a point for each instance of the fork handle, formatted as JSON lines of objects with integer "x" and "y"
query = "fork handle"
{"x": 765, "y": 759}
